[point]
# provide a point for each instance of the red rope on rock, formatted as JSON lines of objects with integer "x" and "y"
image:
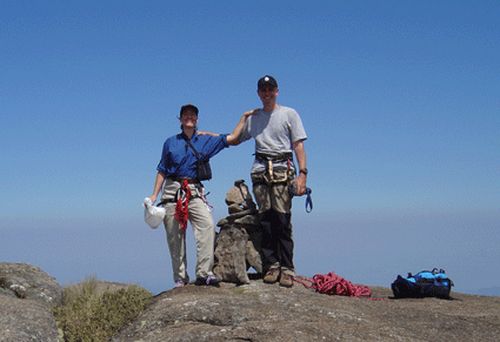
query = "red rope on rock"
{"x": 182, "y": 205}
{"x": 333, "y": 284}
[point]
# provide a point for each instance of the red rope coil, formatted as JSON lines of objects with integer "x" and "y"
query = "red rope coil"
{"x": 333, "y": 284}
{"x": 182, "y": 205}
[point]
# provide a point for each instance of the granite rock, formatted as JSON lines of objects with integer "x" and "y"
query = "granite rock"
{"x": 27, "y": 296}
{"x": 262, "y": 312}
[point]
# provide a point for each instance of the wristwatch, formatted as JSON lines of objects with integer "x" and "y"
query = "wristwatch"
{"x": 304, "y": 171}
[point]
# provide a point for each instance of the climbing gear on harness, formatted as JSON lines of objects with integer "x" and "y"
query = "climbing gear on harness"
{"x": 309, "y": 202}
{"x": 180, "y": 180}
{"x": 293, "y": 192}
{"x": 182, "y": 197}
{"x": 433, "y": 283}
{"x": 276, "y": 158}
{"x": 333, "y": 284}
{"x": 269, "y": 160}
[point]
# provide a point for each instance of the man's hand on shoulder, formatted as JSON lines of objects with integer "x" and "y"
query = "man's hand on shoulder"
{"x": 250, "y": 112}
{"x": 212, "y": 134}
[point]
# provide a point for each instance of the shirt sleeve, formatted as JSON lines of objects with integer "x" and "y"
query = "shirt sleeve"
{"x": 214, "y": 145}
{"x": 245, "y": 133}
{"x": 298, "y": 132}
{"x": 162, "y": 165}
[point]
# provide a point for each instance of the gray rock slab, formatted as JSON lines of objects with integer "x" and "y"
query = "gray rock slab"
{"x": 23, "y": 320}
{"x": 30, "y": 282}
{"x": 261, "y": 312}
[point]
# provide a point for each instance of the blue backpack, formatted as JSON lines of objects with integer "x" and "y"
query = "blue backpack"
{"x": 433, "y": 283}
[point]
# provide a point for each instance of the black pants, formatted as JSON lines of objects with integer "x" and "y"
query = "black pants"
{"x": 277, "y": 242}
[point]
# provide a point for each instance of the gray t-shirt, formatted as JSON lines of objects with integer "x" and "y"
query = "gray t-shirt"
{"x": 274, "y": 133}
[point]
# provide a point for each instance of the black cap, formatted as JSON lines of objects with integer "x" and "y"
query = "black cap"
{"x": 267, "y": 81}
{"x": 189, "y": 106}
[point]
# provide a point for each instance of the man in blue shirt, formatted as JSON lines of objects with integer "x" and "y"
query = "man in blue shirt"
{"x": 183, "y": 194}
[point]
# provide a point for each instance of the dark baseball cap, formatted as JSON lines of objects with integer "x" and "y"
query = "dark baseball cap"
{"x": 267, "y": 81}
{"x": 190, "y": 107}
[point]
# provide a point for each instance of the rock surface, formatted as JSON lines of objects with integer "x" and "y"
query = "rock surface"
{"x": 27, "y": 296}
{"x": 260, "y": 312}
{"x": 27, "y": 281}
{"x": 256, "y": 312}
{"x": 25, "y": 320}
{"x": 230, "y": 255}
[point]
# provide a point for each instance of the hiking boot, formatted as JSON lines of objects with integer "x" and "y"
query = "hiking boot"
{"x": 180, "y": 283}
{"x": 272, "y": 275}
{"x": 286, "y": 279}
{"x": 207, "y": 281}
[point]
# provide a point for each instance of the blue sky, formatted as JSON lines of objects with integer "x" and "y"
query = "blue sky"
{"x": 400, "y": 101}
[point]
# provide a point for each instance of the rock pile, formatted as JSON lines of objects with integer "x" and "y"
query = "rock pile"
{"x": 238, "y": 243}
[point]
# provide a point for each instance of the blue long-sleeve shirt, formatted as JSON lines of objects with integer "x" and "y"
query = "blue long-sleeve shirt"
{"x": 178, "y": 159}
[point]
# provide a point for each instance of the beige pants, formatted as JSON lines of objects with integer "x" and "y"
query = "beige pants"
{"x": 272, "y": 196}
{"x": 204, "y": 234}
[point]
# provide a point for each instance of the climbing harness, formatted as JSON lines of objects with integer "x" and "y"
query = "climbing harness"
{"x": 332, "y": 284}
{"x": 270, "y": 176}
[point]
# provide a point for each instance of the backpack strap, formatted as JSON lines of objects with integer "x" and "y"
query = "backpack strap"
{"x": 188, "y": 141}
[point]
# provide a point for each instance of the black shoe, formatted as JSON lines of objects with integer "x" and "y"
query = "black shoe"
{"x": 207, "y": 281}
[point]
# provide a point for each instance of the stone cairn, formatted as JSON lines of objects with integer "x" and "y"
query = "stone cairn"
{"x": 238, "y": 243}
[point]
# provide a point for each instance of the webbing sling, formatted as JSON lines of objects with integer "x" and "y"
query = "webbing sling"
{"x": 309, "y": 202}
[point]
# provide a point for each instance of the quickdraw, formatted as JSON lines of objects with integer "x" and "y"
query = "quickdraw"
{"x": 309, "y": 202}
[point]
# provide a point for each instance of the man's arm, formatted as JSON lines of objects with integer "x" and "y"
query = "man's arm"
{"x": 160, "y": 178}
{"x": 233, "y": 138}
{"x": 301, "y": 179}
{"x": 212, "y": 134}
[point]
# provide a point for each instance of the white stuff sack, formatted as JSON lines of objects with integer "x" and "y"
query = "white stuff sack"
{"x": 153, "y": 215}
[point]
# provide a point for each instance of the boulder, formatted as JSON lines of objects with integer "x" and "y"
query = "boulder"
{"x": 27, "y": 296}
{"x": 30, "y": 282}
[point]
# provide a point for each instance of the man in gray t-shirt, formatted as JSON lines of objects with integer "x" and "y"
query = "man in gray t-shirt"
{"x": 278, "y": 132}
